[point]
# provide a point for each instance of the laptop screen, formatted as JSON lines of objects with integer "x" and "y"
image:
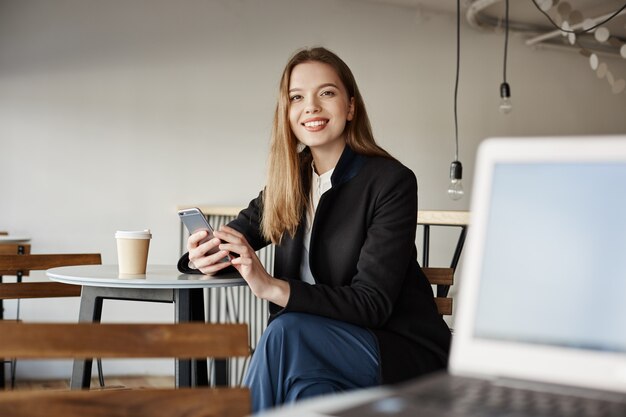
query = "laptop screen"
{"x": 554, "y": 262}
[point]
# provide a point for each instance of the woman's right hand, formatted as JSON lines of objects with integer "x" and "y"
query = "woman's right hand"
{"x": 207, "y": 264}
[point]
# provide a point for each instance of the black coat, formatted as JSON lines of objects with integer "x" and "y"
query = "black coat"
{"x": 363, "y": 257}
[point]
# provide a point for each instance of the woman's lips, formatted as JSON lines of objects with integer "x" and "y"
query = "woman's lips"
{"x": 315, "y": 125}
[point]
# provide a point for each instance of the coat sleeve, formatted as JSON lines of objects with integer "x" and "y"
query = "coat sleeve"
{"x": 248, "y": 222}
{"x": 386, "y": 260}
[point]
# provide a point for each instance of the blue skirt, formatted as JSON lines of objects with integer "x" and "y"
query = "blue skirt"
{"x": 303, "y": 355}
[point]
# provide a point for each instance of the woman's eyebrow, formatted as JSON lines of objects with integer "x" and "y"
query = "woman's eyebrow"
{"x": 328, "y": 85}
{"x": 291, "y": 90}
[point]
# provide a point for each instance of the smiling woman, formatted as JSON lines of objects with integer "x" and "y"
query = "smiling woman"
{"x": 350, "y": 306}
{"x": 285, "y": 194}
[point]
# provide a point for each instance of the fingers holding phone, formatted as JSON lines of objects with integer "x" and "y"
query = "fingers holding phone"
{"x": 240, "y": 250}
{"x": 260, "y": 282}
{"x": 202, "y": 243}
{"x": 205, "y": 254}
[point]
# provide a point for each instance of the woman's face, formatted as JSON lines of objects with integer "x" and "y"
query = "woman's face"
{"x": 319, "y": 107}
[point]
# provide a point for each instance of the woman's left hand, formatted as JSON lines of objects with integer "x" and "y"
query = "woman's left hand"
{"x": 262, "y": 284}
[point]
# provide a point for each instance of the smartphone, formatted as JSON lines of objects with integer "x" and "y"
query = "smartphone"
{"x": 194, "y": 220}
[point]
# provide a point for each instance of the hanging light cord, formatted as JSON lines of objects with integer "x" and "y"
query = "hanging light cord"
{"x": 580, "y": 31}
{"x": 506, "y": 38}
{"x": 456, "y": 83}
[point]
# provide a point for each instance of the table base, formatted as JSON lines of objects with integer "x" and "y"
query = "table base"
{"x": 189, "y": 306}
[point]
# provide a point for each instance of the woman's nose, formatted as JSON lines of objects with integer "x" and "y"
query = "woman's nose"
{"x": 312, "y": 106}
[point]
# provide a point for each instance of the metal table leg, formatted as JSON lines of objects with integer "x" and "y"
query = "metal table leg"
{"x": 199, "y": 367}
{"x": 442, "y": 290}
{"x": 182, "y": 314}
{"x": 221, "y": 371}
{"x": 190, "y": 307}
{"x": 91, "y": 311}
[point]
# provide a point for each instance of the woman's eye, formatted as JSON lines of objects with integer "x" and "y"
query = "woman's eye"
{"x": 328, "y": 93}
{"x": 295, "y": 97}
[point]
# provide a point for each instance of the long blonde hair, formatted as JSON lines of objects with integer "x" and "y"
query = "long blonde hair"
{"x": 285, "y": 195}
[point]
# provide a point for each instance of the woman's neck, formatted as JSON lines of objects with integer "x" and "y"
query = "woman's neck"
{"x": 326, "y": 159}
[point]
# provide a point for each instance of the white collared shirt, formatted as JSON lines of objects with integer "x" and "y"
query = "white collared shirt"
{"x": 319, "y": 185}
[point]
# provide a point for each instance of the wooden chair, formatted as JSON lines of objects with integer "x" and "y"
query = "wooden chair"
{"x": 16, "y": 260}
{"x": 21, "y": 265}
{"x": 9, "y": 249}
{"x": 14, "y": 248}
{"x": 88, "y": 340}
{"x": 441, "y": 277}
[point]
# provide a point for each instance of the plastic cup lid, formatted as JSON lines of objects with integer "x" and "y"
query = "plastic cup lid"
{"x": 133, "y": 234}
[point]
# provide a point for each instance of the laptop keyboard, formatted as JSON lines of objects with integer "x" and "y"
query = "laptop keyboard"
{"x": 464, "y": 396}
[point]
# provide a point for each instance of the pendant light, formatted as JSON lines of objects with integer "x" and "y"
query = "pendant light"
{"x": 505, "y": 90}
{"x": 455, "y": 189}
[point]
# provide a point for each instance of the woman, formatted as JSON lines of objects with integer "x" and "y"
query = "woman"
{"x": 350, "y": 306}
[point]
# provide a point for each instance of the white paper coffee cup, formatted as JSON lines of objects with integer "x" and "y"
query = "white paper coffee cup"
{"x": 132, "y": 251}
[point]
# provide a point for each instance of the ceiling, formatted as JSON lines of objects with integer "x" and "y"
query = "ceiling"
{"x": 525, "y": 17}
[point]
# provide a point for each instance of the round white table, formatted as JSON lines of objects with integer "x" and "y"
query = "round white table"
{"x": 161, "y": 283}
{"x": 156, "y": 276}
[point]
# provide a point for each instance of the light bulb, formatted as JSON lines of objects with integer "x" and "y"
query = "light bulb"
{"x": 455, "y": 189}
{"x": 505, "y": 105}
{"x": 505, "y": 99}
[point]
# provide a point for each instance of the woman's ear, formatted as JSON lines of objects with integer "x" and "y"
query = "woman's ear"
{"x": 350, "y": 110}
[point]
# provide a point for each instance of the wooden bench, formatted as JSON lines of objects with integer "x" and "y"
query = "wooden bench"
{"x": 88, "y": 340}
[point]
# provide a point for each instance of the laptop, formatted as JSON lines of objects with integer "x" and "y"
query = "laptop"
{"x": 540, "y": 327}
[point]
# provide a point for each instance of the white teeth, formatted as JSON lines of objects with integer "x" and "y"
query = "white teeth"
{"x": 316, "y": 123}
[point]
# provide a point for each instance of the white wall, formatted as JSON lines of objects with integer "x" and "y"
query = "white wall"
{"x": 114, "y": 113}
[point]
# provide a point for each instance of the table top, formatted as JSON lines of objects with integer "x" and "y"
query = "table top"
{"x": 13, "y": 239}
{"x": 432, "y": 217}
{"x": 157, "y": 276}
{"x": 443, "y": 217}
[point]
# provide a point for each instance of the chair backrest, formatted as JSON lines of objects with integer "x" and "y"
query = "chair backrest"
{"x": 441, "y": 277}
{"x": 14, "y": 248}
{"x": 88, "y": 340}
{"x": 21, "y": 265}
